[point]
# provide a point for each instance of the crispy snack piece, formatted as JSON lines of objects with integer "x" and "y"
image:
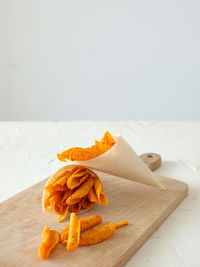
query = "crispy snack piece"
{"x": 60, "y": 208}
{"x": 58, "y": 187}
{"x": 92, "y": 195}
{"x": 72, "y": 243}
{"x": 77, "y": 178}
{"x": 61, "y": 182}
{"x": 71, "y": 235}
{"x": 86, "y": 203}
{"x": 99, "y": 233}
{"x": 82, "y": 190}
{"x": 66, "y": 153}
{"x": 108, "y": 139}
{"x": 120, "y": 224}
{"x": 73, "y": 201}
{"x": 79, "y": 154}
{"x": 55, "y": 189}
{"x": 63, "y": 216}
{"x": 85, "y": 224}
{"x": 50, "y": 239}
{"x": 55, "y": 198}
{"x": 98, "y": 187}
{"x": 58, "y": 198}
{"x": 76, "y": 207}
{"x": 67, "y": 193}
{"x": 78, "y": 231}
{"x": 58, "y": 184}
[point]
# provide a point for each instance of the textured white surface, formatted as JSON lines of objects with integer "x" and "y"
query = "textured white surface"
{"x": 28, "y": 154}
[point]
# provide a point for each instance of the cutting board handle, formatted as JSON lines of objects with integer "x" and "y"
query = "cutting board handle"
{"x": 152, "y": 160}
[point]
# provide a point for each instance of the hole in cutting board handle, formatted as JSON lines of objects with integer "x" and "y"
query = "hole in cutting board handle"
{"x": 152, "y": 160}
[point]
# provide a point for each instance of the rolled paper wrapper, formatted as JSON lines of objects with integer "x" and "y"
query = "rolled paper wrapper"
{"x": 121, "y": 160}
{"x": 55, "y": 177}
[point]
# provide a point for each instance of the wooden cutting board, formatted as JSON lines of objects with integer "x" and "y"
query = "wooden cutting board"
{"x": 22, "y": 222}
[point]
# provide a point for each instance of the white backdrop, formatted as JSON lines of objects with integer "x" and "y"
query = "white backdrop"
{"x": 87, "y": 59}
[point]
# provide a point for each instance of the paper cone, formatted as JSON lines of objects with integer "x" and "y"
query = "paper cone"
{"x": 53, "y": 179}
{"x": 121, "y": 160}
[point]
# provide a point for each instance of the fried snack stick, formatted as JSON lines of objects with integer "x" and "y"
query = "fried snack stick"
{"x": 63, "y": 216}
{"x": 80, "y": 154}
{"x": 66, "y": 195}
{"x": 77, "y": 178}
{"x": 66, "y": 153}
{"x": 50, "y": 239}
{"x": 57, "y": 197}
{"x": 92, "y": 195}
{"x": 76, "y": 207}
{"x": 79, "y": 231}
{"x": 82, "y": 190}
{"x": 59, "y": 187}
{"x": 72, "y": 242}
{"x": 86, "y": 203}
{"x": 51, "y": 187}
{"x": 98, "y": 187}
{"x": 60, "y": 208}
{"x": 53, "y": 199}
{"x": 74, "y": 201}
{"x": 59, "y": 183}
{"x": 108, "y": 139}
{"x": 120, "y": 224}
{"x": 99, "y": 233}
{"x": 106, "y": 143}
{"x": 56, "y": 192}
{"x": 85, "y": 224}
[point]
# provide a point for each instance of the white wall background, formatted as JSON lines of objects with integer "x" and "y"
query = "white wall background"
{"x": 87, "y": 59}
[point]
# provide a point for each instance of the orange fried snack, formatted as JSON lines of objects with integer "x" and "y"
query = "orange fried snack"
{"x": 75, "y": 207}
{"x": 82, "y": 191}
{"x": 86, "y": 203}
{"x": 99, "y": 233}
{"x": 71, "y": 189}
{"x": 120, "y": 224}
{"x": 85, "y": 224}
{"x": 74, "y": 233}
{"x": 71, "y": 236}
{"x": 80, "y": 154}
{"x": 77, "y": 178}
{"x": 62, "y": 217}
{"x": 50, "y": 239}
{"x": 92, "y": 195}
{"x": 98, "y": 188}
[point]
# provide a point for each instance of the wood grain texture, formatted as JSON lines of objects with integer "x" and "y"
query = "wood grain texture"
{"x": 152, "y": 160}
{"x": 145, "y": 207}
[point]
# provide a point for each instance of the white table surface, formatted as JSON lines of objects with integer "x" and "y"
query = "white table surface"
{"x": 28, "y": 155}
